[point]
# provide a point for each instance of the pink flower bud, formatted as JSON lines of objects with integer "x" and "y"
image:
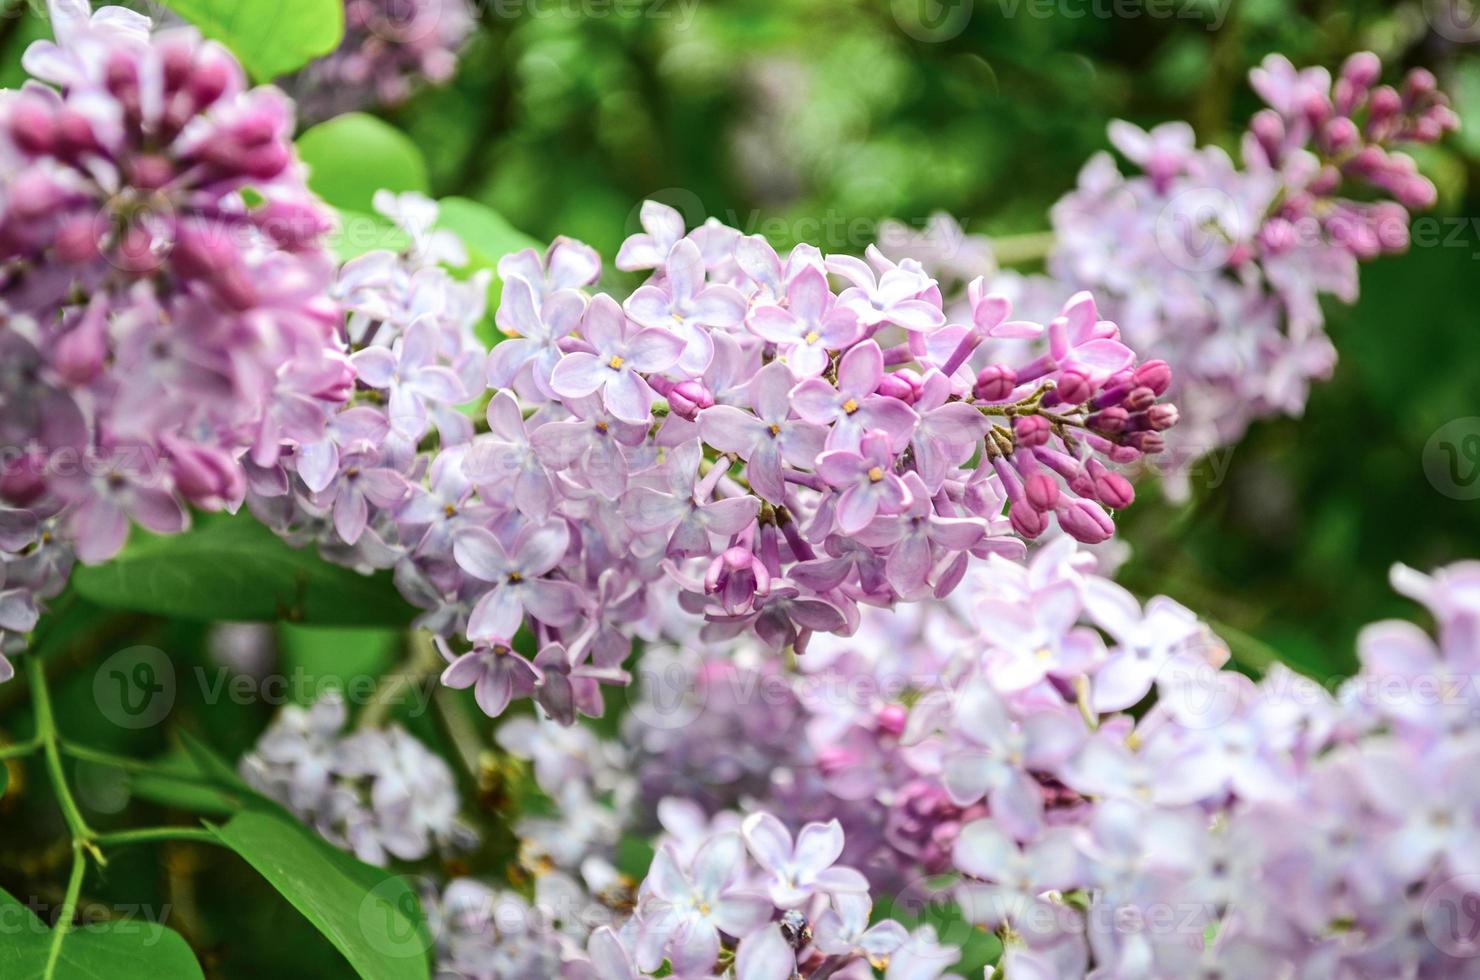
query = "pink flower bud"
{"x": 689, "y": 398}
{"x": 895, "y": 386}
{"x": 994, "y": 383}
{"x": 1156, "y": 375}
{"x": 1085, "y": 521}
{"x": 1026, "y": 521}
{"x": 1073, "y": 387}
{"x": 1362, "y": 69}
{"x": 1031, "y": 430}
{"x": 1041, "y": 490}
{"x": 1162, "y": 416}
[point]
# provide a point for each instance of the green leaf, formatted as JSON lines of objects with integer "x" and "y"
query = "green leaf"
{"x": 271, "y": 37}
{"x": 195, "y": 797}
{"x": 233, "y": 568}
{"x": 350, "y": 157}
{"x": 318, "y": 658}
{"x": 124, "y": 949}
{"x": 359, "y": 233}
{"x": 486, "y": 233}
{"x": 4, "y": 778}
{"x": 370, "y": 916}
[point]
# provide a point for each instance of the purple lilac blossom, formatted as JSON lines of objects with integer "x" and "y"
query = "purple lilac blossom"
{"x": 389, "y": 48}
{"x": 378, "y": 793}
{"x": 165, "y": 324}
{"x": 1218, "y": 267}
{"x": 615, "y": 435}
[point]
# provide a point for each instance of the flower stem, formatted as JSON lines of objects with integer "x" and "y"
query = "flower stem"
{"x": 148, "y": 835}
{"x": 421, "y": 662}
{"x": 69, "y": 906}
{"x": 46, "y": 733}
{"x": 134, "y": 766}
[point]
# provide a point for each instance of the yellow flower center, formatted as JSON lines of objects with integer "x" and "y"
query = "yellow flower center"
{"x": 616, "y": 362}
{"x": 875, "y": 474}
{"x": 775, "y": 429}
{"x": 602, "y": 426}
{"x": 812, "y": 337}
{"x": 850, "y": 406}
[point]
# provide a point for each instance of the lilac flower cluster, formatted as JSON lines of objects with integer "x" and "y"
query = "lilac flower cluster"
{"x": 981, "y": 753}
{"x": 1219, "y": 268}
{"x": 877, "y": 456}
{"x": 487, "y": 933}
{"x": 746, "y": 898}
{"x": 389, "y": 47}
{"x": 379, "y": 793}
{"x": 164, "y": 323}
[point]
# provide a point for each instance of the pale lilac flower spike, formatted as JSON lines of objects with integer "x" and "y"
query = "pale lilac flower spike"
{"x": 606, "y": 470}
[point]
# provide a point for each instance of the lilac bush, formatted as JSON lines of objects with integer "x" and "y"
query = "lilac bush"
{"x": 824, "y": 533}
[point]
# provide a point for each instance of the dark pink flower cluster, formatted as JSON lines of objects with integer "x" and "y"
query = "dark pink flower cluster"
{"x": 164, "y": 316}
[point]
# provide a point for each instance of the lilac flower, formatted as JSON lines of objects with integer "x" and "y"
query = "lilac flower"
{"x": 689, "y": 522}
{"x": 517, "y": 574}
{"x": 592, "y": 444}
{"x": 799, "y": 870}
{"x": 566, "y": 265}
{"x": 997, "y": 753}
{"x": 567, "y": 686}
{"x": 867, "y": 480}
{"x": 649, "y": 249}
{"x": 852, "y": 408}
{"x": 1012, "y": 879}
{"x": 528, "y": 359}
{"x": 412, "y": 376}
{"x": 890, "y": 296}
{"x": 767, "y": 437}
{"x": 915, "y": 534}
{"x": 495, "y": 673}
{"x": 505, "y": 458}
{"x": 687, "y": 910}
{"x": 686, "y": 306}
{"x": 1148, "y": 642}
{"x": 844, "y": 930}
{"x": 808, "y": 326}
{"x": 613, "y": 369}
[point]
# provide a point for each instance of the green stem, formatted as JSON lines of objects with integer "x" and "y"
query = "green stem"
{"x": 133, "y": 766}
{"x": 46, "y": 733}
{"x": 149, "y": 835}
{"x": 20, "y": 748}
{"x": 461, "y": 731}
{"x": 69, "y": 910}
{"x": 423, "y": 661}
